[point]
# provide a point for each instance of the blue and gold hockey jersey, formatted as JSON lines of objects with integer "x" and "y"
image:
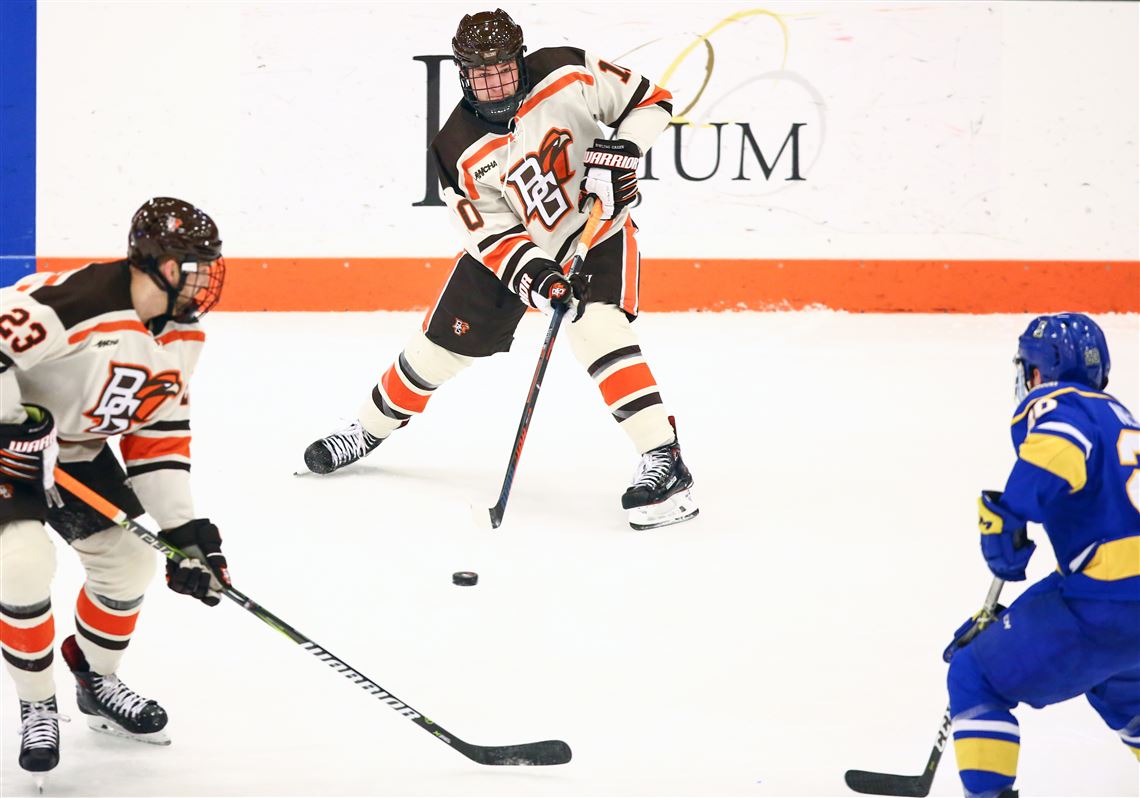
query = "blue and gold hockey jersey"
{"x": 1078, "y": 474}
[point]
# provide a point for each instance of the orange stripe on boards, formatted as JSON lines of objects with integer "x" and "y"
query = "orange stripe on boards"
{"x": 105, "y": 327}
{"x": 99, "y": 620}
{"x": 675, "y": 284}
{"x": 400, "y": 394}
{"x": 136, "y": 447}
{"x": 334, "y": 283}
{"x": 554, "y": 88}
{"x": 891, "y": 286}
{"x": 625, "y": 381}
{"x": 30, "y": 640}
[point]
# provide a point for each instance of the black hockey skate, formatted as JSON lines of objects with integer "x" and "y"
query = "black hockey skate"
{"x": 340, "y": 448}
{"x": 39, "y": 735}
{"x": 660, "y": 494}
{"x": 112, "y": 707}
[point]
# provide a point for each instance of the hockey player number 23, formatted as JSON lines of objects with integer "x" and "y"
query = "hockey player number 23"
{"x": 18, "y": 317}
{"x": 1128, "y": 447}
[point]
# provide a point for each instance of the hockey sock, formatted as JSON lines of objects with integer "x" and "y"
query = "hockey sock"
{"x": 104, "y": 628}
{"x": 27, "y": 627}
{"x": 408, "y": 384}
{"x": 987, "y": 739}
{"x": 604, "y": 342}
{"x": 27, "y": 634}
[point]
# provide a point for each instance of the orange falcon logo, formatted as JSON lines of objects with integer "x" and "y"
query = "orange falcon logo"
{"x": 131, "y": 396}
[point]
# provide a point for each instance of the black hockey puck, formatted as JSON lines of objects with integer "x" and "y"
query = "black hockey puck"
{"x": 465, "y": 578}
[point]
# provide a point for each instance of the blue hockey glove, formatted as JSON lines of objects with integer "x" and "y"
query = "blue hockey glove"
{"x": 1004, "y": 545}
{"x": 969, "y": 630}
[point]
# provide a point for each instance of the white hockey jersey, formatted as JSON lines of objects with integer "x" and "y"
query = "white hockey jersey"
{"x": 513, "y": 190}
{"x": 73, "y": 343}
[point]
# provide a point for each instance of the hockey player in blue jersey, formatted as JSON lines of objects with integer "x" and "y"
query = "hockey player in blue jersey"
{"x": 1078, "y": 630}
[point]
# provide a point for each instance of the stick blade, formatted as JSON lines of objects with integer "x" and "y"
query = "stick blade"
{"x": 870, "y": 783}
{"x": 495, "y": 516}
{"x": 547, "y": 752}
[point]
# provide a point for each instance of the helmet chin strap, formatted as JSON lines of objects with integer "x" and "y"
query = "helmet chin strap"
{"x": 172, "y": 292}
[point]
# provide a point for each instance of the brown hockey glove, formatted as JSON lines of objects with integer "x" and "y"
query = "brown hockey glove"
{"x": 611, "y": 176}
{"x": 542, "y": 285}
{"x": 204, "y": 572}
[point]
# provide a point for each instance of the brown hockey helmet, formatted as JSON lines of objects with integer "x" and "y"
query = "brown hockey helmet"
{"x": 165, "y": 228}
{"x": 486, "y": 39}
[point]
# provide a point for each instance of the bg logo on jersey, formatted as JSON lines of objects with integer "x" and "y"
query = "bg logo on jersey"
{"x": 540, "y": 176}
{"x": 131, "y": 396}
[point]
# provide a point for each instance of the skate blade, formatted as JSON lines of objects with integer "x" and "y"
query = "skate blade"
{"x": 677, "y": 508}
{"x": 40, "y": 780}
{"x": 106, "y": 726}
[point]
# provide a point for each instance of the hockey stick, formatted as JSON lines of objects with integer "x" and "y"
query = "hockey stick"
{"x": 919, "y": 786}
{"x": 547, "y": 752}
{"x": 496, "y": 512}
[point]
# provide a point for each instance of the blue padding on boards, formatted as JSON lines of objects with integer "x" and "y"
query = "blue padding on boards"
{"x": 17, "y": 139}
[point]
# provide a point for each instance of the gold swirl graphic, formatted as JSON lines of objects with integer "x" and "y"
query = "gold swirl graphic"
{"x": 704, "y": 39}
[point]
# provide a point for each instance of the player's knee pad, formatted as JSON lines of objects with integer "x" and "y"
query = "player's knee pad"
{"x": 603, "y": 328}
{"x": 119, "y": 566}
{"x": 968, "y": 685}
{"x": 430, "y": 363}
{"x": 27, "y": 563}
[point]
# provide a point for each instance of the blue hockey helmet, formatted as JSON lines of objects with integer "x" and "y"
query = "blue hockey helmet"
{"x": 1067, "y": 347}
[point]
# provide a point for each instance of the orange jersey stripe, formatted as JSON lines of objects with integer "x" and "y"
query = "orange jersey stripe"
{"x": 136, "y": 447}
{"x": 400, "y": 394}
{"x": 625, "y": 381}
{"x": 30, "y": 640}
{"x": 605, "y": 228}
{"x": 485, "y": 150}
{"x": 107, "y": 326}
{"x": 494, "y": 259}
{"x": 659, "y": 95}
{"x": 182, "y": 335}
{"x": 99, "y": 620}
{"x": 554, "y": 88}
{"x": 629, "y": 281}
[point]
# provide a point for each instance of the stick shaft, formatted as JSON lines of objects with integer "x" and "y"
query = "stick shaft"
{"x": 548, "y": 752}
{"x": 891, "y": 784}
{"x": 500, "y": 508}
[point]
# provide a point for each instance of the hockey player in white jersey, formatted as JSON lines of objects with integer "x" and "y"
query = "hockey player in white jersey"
{"x": 517, "y": 161}
{"x": 85, "y": 356}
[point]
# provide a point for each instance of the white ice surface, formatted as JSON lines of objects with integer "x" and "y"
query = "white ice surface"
{"x": 791, "y": 632}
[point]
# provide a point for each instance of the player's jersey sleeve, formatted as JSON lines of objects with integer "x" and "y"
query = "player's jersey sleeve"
{"x": 631, "y": 103}
{"x": 489, "y": 228}
{"x": 1053, "y": 457}
{"x": 30, "y": 333}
